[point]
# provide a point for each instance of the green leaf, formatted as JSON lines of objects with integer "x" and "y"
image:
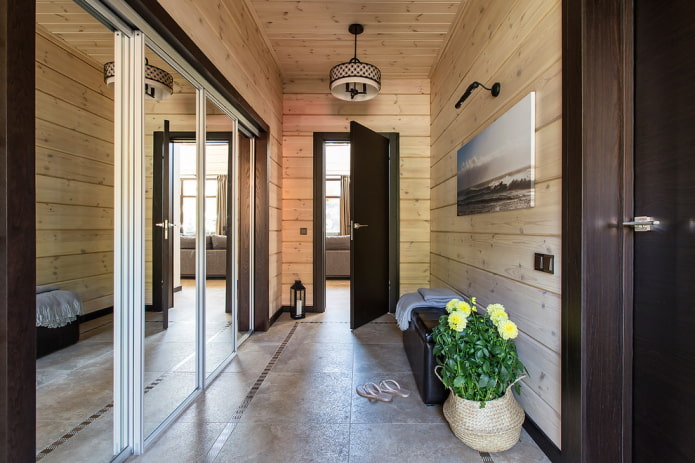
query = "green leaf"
{"x": 483, "y": 381}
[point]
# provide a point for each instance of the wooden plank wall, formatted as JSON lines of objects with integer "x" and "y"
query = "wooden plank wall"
{"x": 229, "y": 36}
{"x": 403, "y": 107}
{"x": 74, "y": 173}
{"x": 517, "y": 43}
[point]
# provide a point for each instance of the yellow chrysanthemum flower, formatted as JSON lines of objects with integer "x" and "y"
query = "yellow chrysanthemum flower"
{"x": 457, "y": 321}
{"x": 463, "y": 306}
{"x": 451, "y": 305}
{"x": 473, "y": 302}
{"x": 497, "y": 313}
{"x": 507, "y": 329}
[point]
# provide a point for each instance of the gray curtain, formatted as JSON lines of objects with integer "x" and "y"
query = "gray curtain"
{"x": 344, "y": 204}
{"x": 221, "y": 205}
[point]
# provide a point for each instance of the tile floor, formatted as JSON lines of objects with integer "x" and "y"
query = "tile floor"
{"x": 288, "y": 396}
{"x": 301, "y": 406}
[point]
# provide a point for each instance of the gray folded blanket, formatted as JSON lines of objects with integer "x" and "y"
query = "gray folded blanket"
{"x": 56, "y": 308}
{"x": 409, "y": 301}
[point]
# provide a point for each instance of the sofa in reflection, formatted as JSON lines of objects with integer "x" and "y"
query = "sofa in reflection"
{"x": 215, "y": 256}
{"x": 338, "y": 256}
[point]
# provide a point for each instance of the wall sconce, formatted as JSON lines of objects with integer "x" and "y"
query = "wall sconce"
{"x": 495, "y": 90}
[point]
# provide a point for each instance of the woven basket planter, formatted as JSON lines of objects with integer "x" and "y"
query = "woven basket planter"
{"x": 495, "y": 428}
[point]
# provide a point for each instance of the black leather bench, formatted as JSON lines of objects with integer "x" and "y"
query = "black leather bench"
{"x": 419, "y": 347}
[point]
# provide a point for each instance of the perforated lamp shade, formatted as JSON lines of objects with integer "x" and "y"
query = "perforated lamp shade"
{"x": 159, "y": 84}
{"x": 355, "y": 80}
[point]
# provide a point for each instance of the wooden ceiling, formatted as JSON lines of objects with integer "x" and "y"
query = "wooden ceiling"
{"x": 307, "y": 37}
{"x": 402, "y": 38}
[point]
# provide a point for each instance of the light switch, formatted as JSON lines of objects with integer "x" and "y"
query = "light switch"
{"x": 544, "y": 262}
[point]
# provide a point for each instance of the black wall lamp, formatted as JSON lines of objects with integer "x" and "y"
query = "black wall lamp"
{"x": 495, "y": 90}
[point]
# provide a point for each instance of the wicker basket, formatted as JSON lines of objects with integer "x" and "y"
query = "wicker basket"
{"x": 495, "y": 428}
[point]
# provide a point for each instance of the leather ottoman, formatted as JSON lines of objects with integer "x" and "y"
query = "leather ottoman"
{"x": 419, "y": 347}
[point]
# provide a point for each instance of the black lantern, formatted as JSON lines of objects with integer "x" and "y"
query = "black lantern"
{"x": 297, "y": 299}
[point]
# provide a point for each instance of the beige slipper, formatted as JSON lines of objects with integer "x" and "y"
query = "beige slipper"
{"x": 392, "y": 387}
{"x": 372, "y": 392}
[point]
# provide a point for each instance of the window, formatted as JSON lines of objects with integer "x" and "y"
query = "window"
{"x": 337, "y": 165}
{"x": 188, "y": 216}
{"x": 333, "y": 194}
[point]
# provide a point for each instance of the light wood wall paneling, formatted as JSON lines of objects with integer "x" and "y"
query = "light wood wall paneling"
{"x": 534, "y": 55}
{"x": 74, "y": 167}
{"x": 490, "y": 255}
{"x": 54, "y": 163}
{"x": 310, "y": 108}
{"x": 227, "y": 33}
{"x": 66, "y": 242}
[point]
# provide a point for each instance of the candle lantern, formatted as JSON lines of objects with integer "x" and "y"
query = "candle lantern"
{"x": 297, "y": 300}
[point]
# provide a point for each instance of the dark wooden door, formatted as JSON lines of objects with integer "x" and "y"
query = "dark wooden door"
{"x": 369, "y": 206}
{"x": 664, "y": 259}
{"x": 163, "y": 225}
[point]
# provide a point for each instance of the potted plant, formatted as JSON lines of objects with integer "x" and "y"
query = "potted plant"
{"x": 477, "y": 360}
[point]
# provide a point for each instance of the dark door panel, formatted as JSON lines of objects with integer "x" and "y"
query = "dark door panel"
{"x": 369, "y": 170}
{"x": 664, "y": 259}
{"x": 162, "y": 231}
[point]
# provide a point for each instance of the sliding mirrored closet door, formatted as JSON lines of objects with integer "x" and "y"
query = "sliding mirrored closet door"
{"x": 172, "y": 243}
{"x": 75, "y": 189}
{"x": 221, "y": 236}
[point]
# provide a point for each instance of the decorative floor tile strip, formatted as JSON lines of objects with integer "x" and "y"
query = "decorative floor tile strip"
{"x": 106, "y": 408}
{"x": 64, "y": 438}
{"x": 239, "y": 412}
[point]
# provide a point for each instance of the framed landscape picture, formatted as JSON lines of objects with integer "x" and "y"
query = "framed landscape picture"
{"x": 495, "y": 170}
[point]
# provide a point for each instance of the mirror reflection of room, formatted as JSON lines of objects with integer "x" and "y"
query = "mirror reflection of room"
{"x": 74, "y": 236}
{"x": 337, "y": 233}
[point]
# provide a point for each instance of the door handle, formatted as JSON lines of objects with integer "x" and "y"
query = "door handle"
{"x": 166, "y": 225}
{"x": 642, "y": 223}
{"x": 357, "y": 226}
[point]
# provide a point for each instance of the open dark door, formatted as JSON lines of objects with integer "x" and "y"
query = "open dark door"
{"x": 369, "y": 211}
{"x": 163, "y": 226}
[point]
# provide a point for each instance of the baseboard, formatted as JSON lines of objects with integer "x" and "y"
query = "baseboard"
{"x": 545, "y": 444}
{"x": 275, "y": 316}
{"x": 96, "y": 314}
{"x": 178, "y": 288}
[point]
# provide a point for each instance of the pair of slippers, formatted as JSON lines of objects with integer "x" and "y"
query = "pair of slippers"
{"x": 382, "y": 392}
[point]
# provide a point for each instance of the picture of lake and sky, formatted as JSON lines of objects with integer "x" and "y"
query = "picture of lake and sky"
{"x": 495, "y": 170}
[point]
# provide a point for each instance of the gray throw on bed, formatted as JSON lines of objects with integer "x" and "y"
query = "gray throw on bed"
{"x": 56, "y": 308}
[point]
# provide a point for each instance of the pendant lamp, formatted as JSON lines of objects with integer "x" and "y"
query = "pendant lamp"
{"x": 159, "y": 84}
{"x": 355, "y": 80}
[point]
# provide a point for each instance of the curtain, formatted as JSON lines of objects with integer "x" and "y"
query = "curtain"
{"x": 344, "y": 204}
{"x": 221, "y": 228}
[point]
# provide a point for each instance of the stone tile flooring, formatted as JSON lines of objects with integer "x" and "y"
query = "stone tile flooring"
{"x": 306, "y": 408}
{"x": 298, "y": 406}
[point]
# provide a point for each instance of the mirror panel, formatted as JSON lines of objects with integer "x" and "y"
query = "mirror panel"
{"x": 170, "y": 247}
{"x": 221, "y": 233}
{"x": 74, "y": 235}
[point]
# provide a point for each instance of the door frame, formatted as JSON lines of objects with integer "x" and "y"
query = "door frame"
{"x": 319, "y": 229}
{"x": 17, "y": 233}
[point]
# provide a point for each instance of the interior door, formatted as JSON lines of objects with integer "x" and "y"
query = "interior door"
{"x": 664, "y": 259}
{"x": 163, "y": 225}
{"x": 369, "y": 211}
